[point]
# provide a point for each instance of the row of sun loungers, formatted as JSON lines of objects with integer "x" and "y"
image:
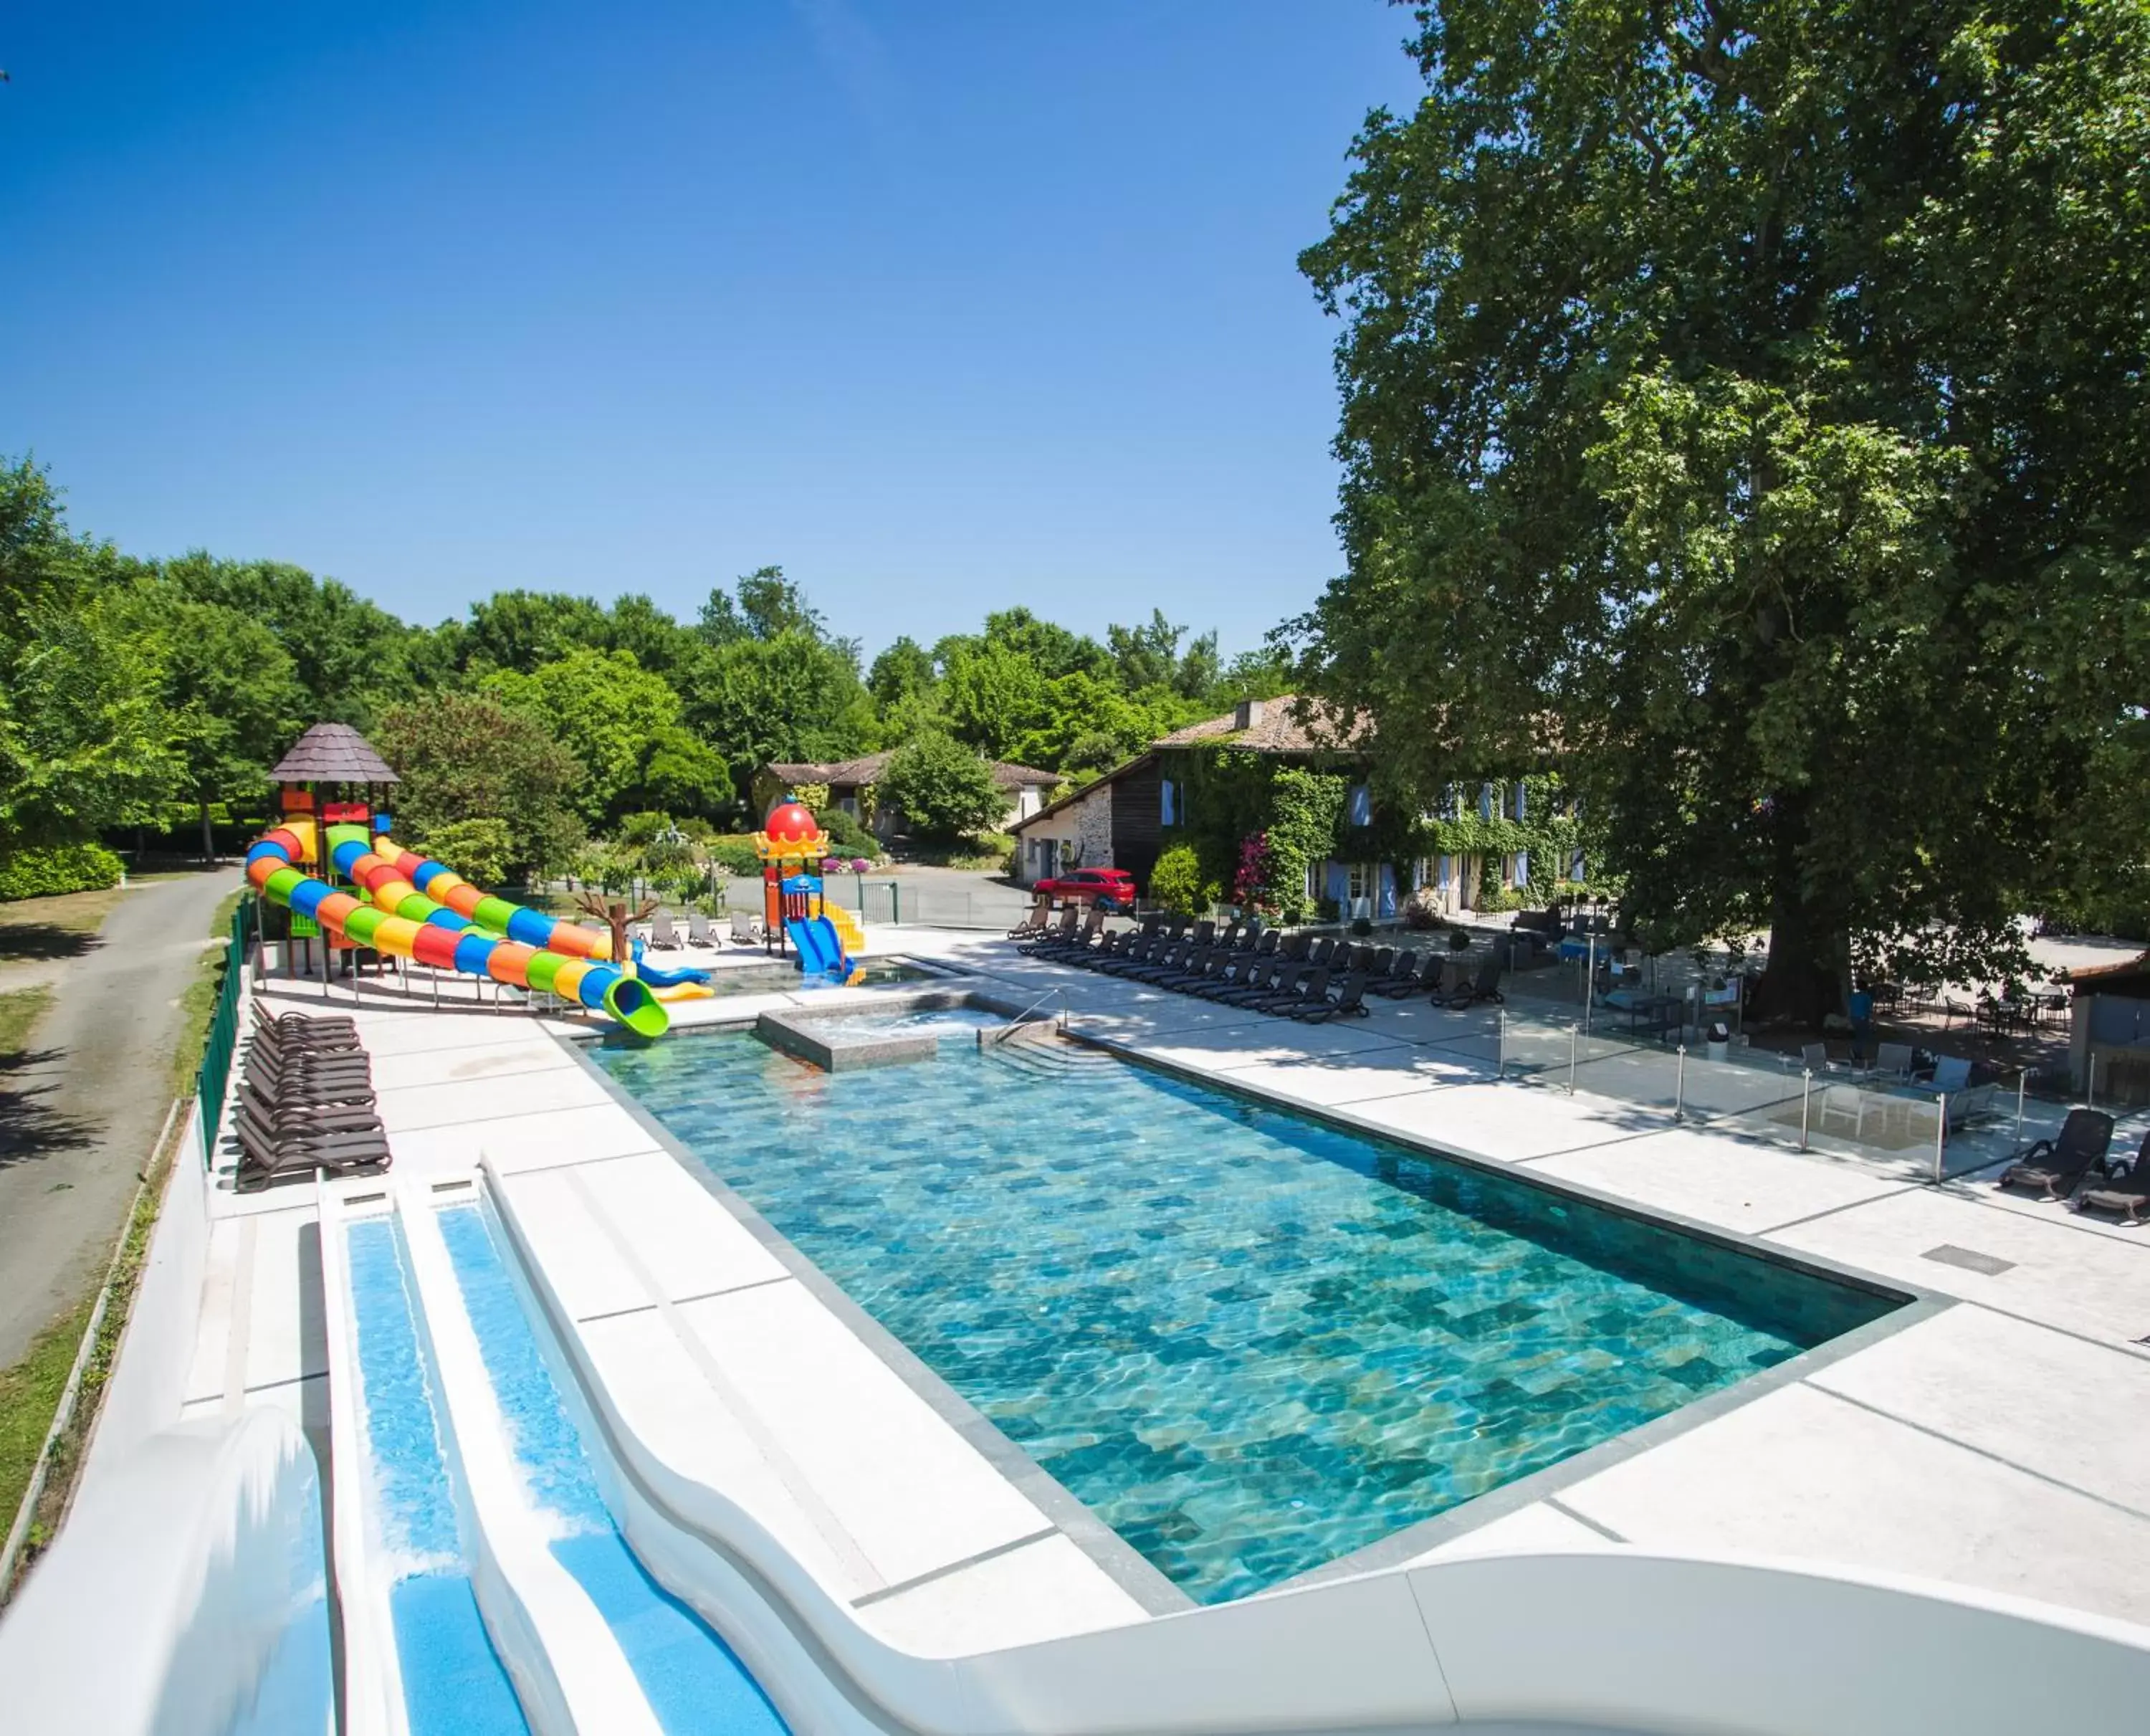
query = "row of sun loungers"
{"x": 2075, "y": 1166}
{"x": 1296, "y": 975}
{"x": 666, "y": 936}
{"x": 305, "y": 1101}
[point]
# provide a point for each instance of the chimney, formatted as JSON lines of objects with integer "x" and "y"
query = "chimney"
{"x": 1246, "y": 714}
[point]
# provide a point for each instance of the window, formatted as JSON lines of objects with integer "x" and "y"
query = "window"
{"x": 1356, "y": 882}
{"x": 1314, "y": 880}
{"x": 1166, "y": 803}
{"x": 1361, "y": 810}
{"x": 1451, "y": 801}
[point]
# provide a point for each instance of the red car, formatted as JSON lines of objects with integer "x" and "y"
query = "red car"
{"x": 1111, "y": 889}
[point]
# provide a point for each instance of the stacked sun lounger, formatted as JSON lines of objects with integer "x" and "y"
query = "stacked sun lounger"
{"x": 1296, "y": 976}
{"x": 305, "y": 1101}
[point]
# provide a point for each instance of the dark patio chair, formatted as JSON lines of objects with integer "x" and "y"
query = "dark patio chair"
{"x": 2059, "y": 1166}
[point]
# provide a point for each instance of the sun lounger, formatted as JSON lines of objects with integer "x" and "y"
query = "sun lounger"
{"x": 1309, "y": 988}
{"x": 262, "y": 1160}
{"x": 1350, "y": 1002}
{"x": 746, "y": 929}
{"x": 1413, "y": 973}
{"x": 1265, "y": 979}
{"x": 1036, "y": 922}
{"x": 304, "y": 1027}
{"x": 2128, "y": 1194}
{"x": 2060, "y": 1165}
{"x": 698, "y": 929}
{"x": 1485, "y": 986}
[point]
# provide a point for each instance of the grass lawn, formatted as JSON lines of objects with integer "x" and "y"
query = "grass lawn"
{"x": 32, "y": 927}
{"x": 20, "y": 1010}
{"x": 29, "y": 1395}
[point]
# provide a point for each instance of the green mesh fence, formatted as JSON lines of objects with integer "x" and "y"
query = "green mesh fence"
{"x": 223, "y": 1031}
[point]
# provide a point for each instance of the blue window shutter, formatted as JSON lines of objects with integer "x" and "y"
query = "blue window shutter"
{"x": 1164, "y": 801}
{"x": 1523, "y": 867}
{"x": 1336, "y": 882}
{"x": 1575, "y": 867}
{"x": 1485, "y": 801}
{"x": 1520, "y": 788}
{"x": 1385, "y": 891}
{"x": 1362, "y": 805}
{"x": 1444, "y": 873}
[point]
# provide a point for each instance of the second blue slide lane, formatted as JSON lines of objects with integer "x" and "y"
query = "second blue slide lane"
{"x": 820, "y": 951}
{"x": 693, "y": 1681}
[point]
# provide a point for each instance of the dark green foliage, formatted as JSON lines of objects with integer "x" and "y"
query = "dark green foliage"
{"x": 47, "y": 870}
{"x": 1753, "y": 392}
{"x": 1178, "y": 884}
{"x": 735, "y": 856}
{"x": 846, "y": 836}
{"x": 943, "y": 788}
{"x": 465, "y": 757}
{"x": 84, "y": 741}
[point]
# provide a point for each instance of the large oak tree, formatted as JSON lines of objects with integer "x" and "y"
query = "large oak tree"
{"x": 1745, "y": 401}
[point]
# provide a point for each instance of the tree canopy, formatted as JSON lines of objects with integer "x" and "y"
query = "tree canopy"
{"x": 1744, "y": 404}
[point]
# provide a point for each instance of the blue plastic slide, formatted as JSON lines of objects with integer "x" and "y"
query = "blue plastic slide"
{"x": 821, "y": 953}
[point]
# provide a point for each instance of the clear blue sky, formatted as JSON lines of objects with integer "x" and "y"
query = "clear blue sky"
{"x": 943, "y": 307}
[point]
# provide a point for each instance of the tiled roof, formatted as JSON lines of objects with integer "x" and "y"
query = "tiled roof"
{"x": 868, "y": 768}
{"x": 1272, "y": 726}
{"x": 332, "y": 754}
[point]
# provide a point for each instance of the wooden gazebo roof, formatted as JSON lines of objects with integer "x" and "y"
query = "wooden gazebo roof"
{"x": 332, "y": 754}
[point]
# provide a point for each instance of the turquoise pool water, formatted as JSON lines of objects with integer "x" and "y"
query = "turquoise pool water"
{"x": 1250, "y": 1344}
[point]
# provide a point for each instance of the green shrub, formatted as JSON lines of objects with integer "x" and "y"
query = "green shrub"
{"x": 1502, "y": 898}
{"x": 46, "y": 873}
{"x": 847, "y": 838}
{"x": 1176, "y": 882}
{"x": 480, "y": 850}
{"x": 734, "y": 856}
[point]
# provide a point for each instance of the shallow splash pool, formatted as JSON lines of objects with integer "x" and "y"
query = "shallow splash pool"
{"x": 1249, "y": 1343}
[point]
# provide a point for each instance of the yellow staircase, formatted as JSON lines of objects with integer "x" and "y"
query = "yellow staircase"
{"x": 850, "y": 930}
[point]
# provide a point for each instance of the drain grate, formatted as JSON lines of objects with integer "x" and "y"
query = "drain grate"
{"x": 1970, "y": 1258}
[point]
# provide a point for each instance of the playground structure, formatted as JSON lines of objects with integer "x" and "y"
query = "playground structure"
{"x": 405, "y": 905}
{"x": 796, "y": 915}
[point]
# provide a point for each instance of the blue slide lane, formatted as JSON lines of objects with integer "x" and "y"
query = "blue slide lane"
{"x": 821, "y": 953}
{"x": 692, "y": 1679}
{"x": 453, "y": 1682}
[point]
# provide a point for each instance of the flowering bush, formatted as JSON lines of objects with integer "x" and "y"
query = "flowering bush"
{"x": 860, "y": 864}
{"x": 1251, "y": 882}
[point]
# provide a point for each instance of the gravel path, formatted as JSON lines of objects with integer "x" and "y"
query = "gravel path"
{"x": 77, "y": 1117}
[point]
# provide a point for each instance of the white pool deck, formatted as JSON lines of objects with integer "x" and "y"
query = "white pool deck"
{"x": 2001, "y": 1440}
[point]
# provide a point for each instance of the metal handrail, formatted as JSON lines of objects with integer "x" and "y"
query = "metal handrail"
{"x": 999, "y": 1034}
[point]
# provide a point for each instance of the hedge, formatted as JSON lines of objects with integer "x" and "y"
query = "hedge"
{"x": 62, "y": 868}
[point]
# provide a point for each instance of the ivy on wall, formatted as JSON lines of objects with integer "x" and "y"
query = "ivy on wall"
{"x": 1226, "y": 795}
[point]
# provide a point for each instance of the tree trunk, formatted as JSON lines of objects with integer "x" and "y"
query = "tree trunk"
{"x": 208, "y": 840}
{"x": 1805, "y": 981}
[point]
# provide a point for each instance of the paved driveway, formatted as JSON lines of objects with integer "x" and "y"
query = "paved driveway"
{"x": 79, "y": 1112}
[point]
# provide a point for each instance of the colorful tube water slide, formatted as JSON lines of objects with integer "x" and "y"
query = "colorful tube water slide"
{"x": 530, "y": 951}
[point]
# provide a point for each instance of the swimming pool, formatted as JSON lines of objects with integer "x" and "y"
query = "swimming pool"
{"x": 1249, "y": 1342}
